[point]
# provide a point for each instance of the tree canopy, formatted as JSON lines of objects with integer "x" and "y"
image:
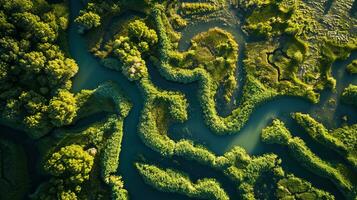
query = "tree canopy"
{"x": 70, "y": 163}
{"x": 34, "y": 72}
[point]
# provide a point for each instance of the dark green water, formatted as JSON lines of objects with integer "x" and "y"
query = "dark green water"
{"x": 91, "y": 74}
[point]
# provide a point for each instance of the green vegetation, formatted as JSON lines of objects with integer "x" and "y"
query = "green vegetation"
{"x": 71, "y": 161}
{"x": 62, "y": 108}
{"x": 269, "y": 18}
{"x": 212, "y": 58}
{"x": 161, "y": 108}
{"x": 296, "y": 188}
{"x": 70, "y": 167}
{"x": 342, "y": 140}
{"x": 349, "y": 95}
{"x": 169, "y": 180}
{"x": 352, "y": 67}
{"x": 287, "y": 48}
{"x": 35, "y": 72}
{"x": 89, "y": 20}
{"x": 197, "y": 8}
{"x": 103, "y": 145}
{"x": 129, "y": 49}
{"x": 256, "y": 90}
{"x": 99, "y": 145}
{"x": 337, "y": 173}
{"x": 91, "y": 17}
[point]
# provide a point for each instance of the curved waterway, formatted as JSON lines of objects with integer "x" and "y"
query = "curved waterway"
{"x": 91, "y": 74}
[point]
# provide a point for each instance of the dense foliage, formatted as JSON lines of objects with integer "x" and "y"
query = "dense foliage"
{"x": 169, "y": 180}
{"x": 296, "y": 188}
{"x": 35, "y": 72}
{"x": 352, "y": 67}
{"x": 349, "y": 95}
{"x": 287, "y": 48}
{"x": 337, "y": 173}
{"x": 343, "y": 140}
{"x": 70, "y": 167}
{"x": 130, "y": 49}
{"x": 64, "y": 154}
{"x": 71, "y": 163}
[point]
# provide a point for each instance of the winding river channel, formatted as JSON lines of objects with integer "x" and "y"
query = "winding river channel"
{"x": 91, "y": 74}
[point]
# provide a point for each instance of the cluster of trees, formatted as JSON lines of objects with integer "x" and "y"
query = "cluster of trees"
{"x": 35, "y": 72}
{"x": 73, "y": 170}
{"x": 130, "y": 49}
{"x": 168, "y": 180}
{"x": 292, "y": 187}
{"x": 70, "y": 167}
{"x": 197, "y": 8}
{"x": 134, "y": 66}
{"x": 88, "y": 20}
{"x": 71, "y": 163}
{"x": 277, "y": 133}
{"x": 91, "y": 16}
{"x": 97, "y": 11}
{"x": 267, "y": 18}
{"x": 62, "y": 108}
{"x": 69, "y": 153}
